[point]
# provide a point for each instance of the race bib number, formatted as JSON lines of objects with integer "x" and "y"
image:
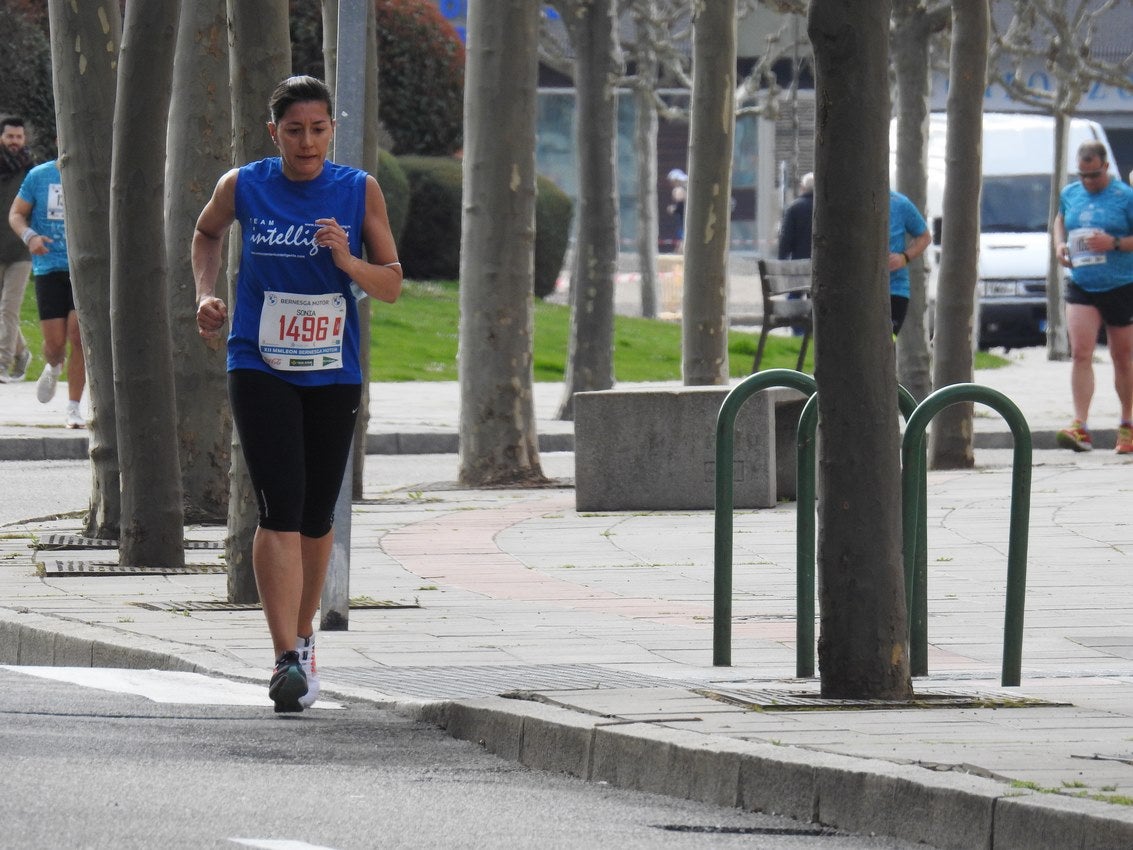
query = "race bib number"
{"x": 1080, "y": 255}
{"x": 302, "y": 333}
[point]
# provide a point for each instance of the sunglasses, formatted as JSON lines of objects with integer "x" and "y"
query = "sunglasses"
{"x": 1091, "y": 175}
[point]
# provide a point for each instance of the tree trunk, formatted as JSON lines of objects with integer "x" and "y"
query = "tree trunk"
{"x": 371, "y": 144}
{"x": 84, "y": 47}
{"x": 863, "y": 647}
{"x": 199, "y": 152}
{"x": 152, "y": 526}
{"x": 712, "y": 134}
{"x": 645, "y": 143}
{"x": 950, "y": 443}
{"x": 1057, "y": 340}
{"x": 498, "y": 441}
{"x": 590, "y": 362}
{"x": 910, "y": 48}
{"x": 259, "y": 57}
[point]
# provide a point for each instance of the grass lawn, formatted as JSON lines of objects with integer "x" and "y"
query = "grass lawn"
{"x": 416, "y": 340}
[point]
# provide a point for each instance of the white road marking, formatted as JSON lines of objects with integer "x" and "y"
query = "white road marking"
{"x": 278, "y": 844}
{"x": 161, "y": 685}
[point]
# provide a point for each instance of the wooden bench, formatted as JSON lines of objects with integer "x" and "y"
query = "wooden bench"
{"x": 779, "y": 280}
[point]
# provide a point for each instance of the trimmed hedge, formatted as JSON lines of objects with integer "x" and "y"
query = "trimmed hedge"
{"x": 420, "y": 78}
{"x": 430, "y": 244}
{"x": 395, "y": 186}
{"x": 553, "y": 209}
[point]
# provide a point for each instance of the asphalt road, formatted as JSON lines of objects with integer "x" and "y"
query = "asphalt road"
{"x": 86, "y": 767}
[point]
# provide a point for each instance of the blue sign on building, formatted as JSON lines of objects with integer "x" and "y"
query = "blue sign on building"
{"x": 456, "y": 13}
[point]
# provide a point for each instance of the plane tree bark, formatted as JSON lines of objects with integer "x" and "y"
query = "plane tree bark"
{"x": 950, "y": 440}
{"x": 259, "y": 57}
{"x": 498, "y": 440}
{"x": 704, "y": 337}
{"x": 863, "y": 643}
{"x": 914, "y": 24}
{"x": 152, "y": 525}
{"x": 85, "y": 39}
{"x": 592, "y": 25}
{"x": 199, "y": 152}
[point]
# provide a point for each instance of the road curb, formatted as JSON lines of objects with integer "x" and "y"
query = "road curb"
{"x": 76, "y": 447}
{"x": 416, "y": 443}
{"x": 940, "y": 808}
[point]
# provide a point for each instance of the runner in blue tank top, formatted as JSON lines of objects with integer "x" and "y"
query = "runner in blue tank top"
{"x": 293, "y": 351}
{"x": 1094, "y": 232}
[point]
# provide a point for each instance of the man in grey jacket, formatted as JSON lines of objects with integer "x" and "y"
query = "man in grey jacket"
{"x": 15, "y": 265}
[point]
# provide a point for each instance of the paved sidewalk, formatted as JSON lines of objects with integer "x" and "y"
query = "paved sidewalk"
{"x": 599, "y": 628}
{"x": 422, "y": 417}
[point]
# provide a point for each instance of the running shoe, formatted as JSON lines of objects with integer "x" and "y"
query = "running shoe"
{"x": 1076, "y": 438}
{"x": 306, "y": 650}
{"x": 288, "y": 683}
{"x": 74, "y": 418}
{"x": 1124, "y": 439}
{"x": 20, "y": 365}
{"x": 45, "y": 389}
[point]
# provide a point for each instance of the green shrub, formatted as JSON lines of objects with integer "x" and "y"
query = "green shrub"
{"x": 395, "y": 186}
{"x": 420, "y": 71}
{"x": 420, "y": 78}
{"x": 430, "y": 244}
{"x": 553, "y": 209}
{"x": 26, "y": 56}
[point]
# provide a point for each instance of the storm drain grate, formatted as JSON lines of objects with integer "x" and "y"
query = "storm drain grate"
{"x": 208, "y": 605}
{"x": 489, "y": 680}
{"x": 51, "y": 569}
{"x": 786, "y": 700}
{"x": 822, "y": 831}
{"x": 77, "y": 541}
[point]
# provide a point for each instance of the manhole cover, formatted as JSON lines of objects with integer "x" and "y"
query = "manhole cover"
{"x": 467, "y": 682}
{"x": 772, "y": 699}
{"x": 209, "y": 605}
{"x": 52, "y": 569}
{"x": 77, "y": 541}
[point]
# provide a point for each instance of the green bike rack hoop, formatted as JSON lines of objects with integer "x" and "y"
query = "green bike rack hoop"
{"x": 725, "y": 493}
{"x": 913, "y": 476}
{"x": 805, "y": 527}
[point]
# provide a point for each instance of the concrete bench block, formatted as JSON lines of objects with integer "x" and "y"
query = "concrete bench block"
{"x": 655, "y": 448}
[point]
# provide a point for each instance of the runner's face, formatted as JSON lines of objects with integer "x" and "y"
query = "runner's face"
{"x": 1092, "y": 172}
{"x": 303, "y": 136}
{"x": 13, "y": 138}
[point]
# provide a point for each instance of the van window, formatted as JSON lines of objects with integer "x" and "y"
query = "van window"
{"x": 1015, "y": 203}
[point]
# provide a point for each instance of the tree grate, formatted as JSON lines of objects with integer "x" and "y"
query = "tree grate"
{"x": 211, "y": 605}
{"x": 76, "y": 541}
{"x": 55, "y": 568}
{"x": 788, "y": 700}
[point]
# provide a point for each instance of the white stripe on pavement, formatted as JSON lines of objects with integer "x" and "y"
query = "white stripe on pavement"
{"x": 160, "y": 685}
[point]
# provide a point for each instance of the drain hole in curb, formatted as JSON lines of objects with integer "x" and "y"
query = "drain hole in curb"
{"x": 749, "y": 830}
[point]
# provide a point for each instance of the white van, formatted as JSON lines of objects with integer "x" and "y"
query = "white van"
{"x": 1018, "y": 158}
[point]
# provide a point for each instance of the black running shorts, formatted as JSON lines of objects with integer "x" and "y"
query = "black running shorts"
{"x": 898, "y": 309}
{"x": 1115, "y": 305}
{"x": 296, "y": 441}
{"x": 53, "y": 295}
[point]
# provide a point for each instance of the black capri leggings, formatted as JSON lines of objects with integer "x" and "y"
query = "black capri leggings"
{"x": 296, "y": 441}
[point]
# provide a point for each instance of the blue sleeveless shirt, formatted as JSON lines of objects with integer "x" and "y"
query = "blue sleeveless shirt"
{"x": 279, "y": 257}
